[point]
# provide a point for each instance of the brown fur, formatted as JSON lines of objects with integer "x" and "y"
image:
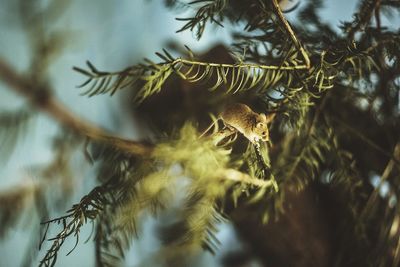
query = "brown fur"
{"x": 242, "y": 118}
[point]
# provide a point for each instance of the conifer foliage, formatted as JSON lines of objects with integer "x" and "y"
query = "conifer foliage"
{"x": 335, "y": 92}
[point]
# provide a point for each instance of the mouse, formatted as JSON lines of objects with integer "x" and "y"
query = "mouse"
{"x": 241, "y": 118}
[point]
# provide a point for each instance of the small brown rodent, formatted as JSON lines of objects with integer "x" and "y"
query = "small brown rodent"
{"x": 243, "y": 119}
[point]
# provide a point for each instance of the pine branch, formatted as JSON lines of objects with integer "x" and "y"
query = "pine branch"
{"x": 239, "y": 66}
{"x": 40, "y": 97}
{"x": 88, "y": 209}
{"x": 276, "y": 67}
{"x": 305, "y": 144}
{"x": 207, "y": 12}
{"x": 363, "y": 17}
{"x": 135, "y": 187}
{"x": 151, "y": 77}
{"x": 292, "y": 35}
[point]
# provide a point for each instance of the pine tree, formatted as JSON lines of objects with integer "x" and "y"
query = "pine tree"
{"x": 304, "y": 198}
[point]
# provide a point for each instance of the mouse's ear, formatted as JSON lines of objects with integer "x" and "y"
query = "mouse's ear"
{"x": 269, "y": 117}
{"x": 263, "y": 117}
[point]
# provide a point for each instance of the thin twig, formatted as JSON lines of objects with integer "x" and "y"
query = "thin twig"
{"x": 237, "y": 66}
{"x": 378, "y": 15}
{"x": 234, "y": 175}
{"x": 291, "y": 33}
{"x": 265, "y": 168}
{"x": 60, "y": 113}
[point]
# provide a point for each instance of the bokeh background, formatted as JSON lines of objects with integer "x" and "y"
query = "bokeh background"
{"x": 112, "y": 35}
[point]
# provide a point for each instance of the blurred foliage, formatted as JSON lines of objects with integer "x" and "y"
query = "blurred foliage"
{"x": 13, "y": 125}
{"x": 134, "y": 186}
{"x": 305, "y": 198}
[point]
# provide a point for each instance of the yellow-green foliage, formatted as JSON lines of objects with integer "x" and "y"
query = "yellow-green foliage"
{"x": 202, "y": 162}
{"x": 199, "y": 157}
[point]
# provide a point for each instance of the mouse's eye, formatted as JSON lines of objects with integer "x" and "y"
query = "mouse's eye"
{"x": 264, "y": 133}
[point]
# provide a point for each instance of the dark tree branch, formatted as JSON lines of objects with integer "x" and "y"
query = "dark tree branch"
{"x": 40, "y": 97}
{"x": 365, "y": 17}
